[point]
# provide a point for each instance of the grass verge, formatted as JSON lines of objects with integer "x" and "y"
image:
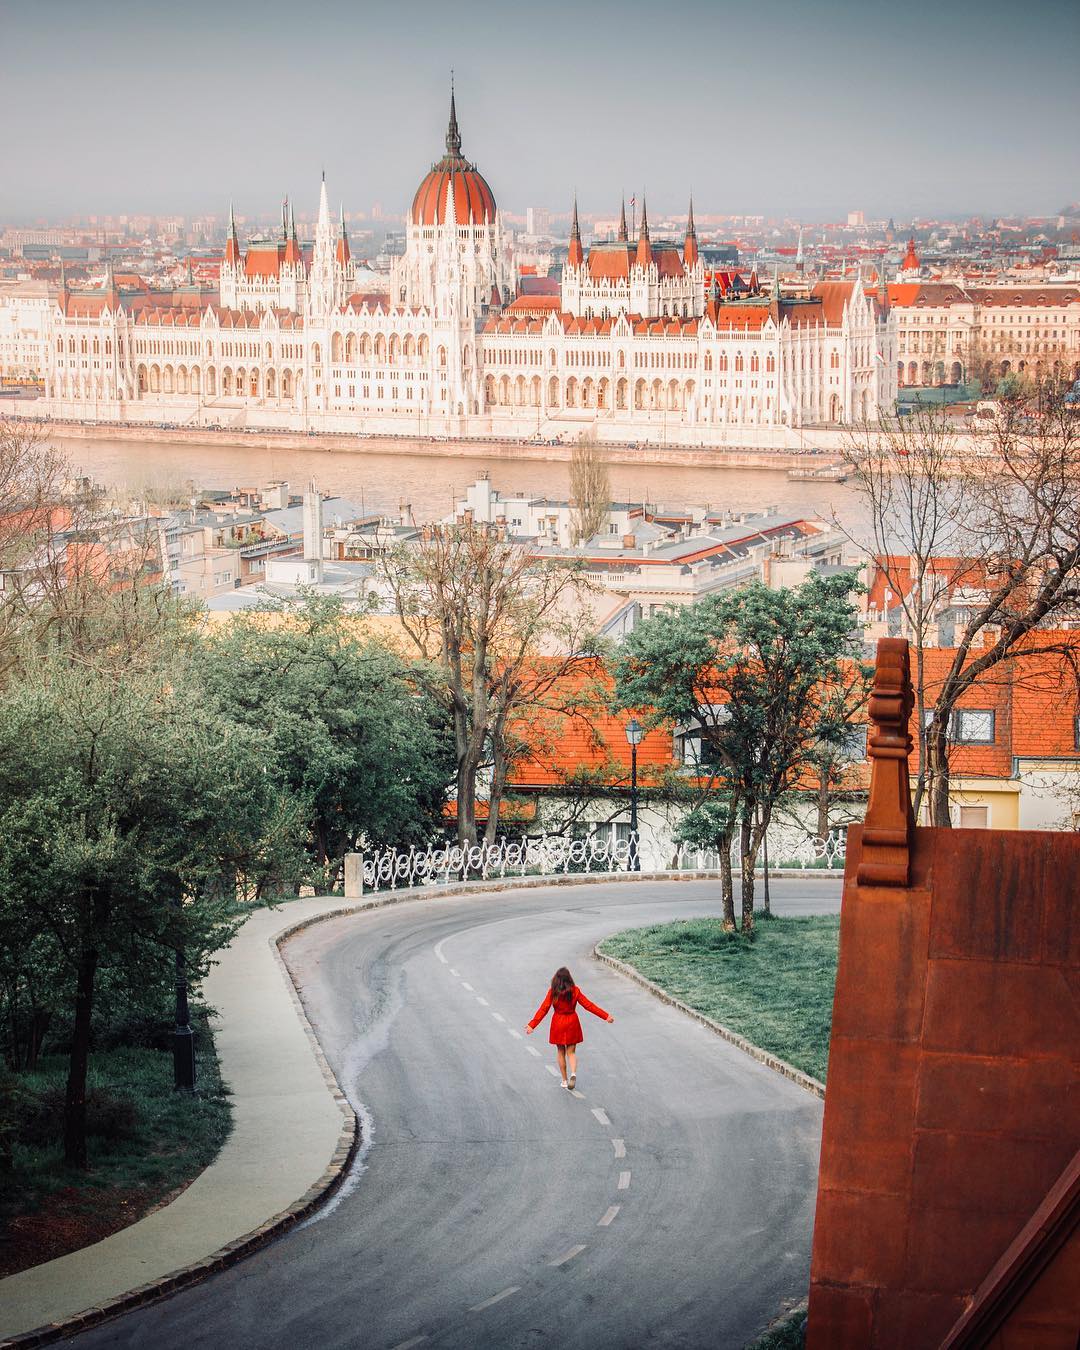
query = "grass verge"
{"x": 146, "y": 1143}
{"x": 776, "y": 988}
{"x": 789, "y": 1333}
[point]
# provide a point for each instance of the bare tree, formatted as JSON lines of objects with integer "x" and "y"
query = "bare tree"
{"x": 499, "y": 630}
{"x": 590, "y": 489}
{"x": 988, "y": 549}
{"x": 906, "y": 471}
{"x": 32, "y": 476}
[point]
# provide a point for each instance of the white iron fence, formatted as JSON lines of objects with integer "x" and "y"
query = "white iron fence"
{"x": 555, "y": 855}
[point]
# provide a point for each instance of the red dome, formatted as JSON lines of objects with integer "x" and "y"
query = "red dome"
{"x": 474, "y": 202}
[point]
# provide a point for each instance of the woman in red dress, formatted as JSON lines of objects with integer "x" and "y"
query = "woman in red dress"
{"x": 563, "y": 997}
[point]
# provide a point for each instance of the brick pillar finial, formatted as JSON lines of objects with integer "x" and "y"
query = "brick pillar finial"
{"x": 890, "y": 821}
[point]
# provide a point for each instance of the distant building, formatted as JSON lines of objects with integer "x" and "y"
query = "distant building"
{"x": 644, "y": 340}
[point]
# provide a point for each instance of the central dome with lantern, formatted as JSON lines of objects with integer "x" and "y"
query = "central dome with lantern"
{"x": 453, "y": 179}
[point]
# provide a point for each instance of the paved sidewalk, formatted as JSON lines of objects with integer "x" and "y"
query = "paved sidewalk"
{"x": 289, "y": 1126}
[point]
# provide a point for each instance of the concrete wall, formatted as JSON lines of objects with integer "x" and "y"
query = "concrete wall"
{"x": 953, "y": 1102}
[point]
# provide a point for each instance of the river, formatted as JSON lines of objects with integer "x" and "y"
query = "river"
{"x": 384, "y": 482}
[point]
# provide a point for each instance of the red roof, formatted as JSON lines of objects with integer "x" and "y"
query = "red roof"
{"x": 262, "y": 260}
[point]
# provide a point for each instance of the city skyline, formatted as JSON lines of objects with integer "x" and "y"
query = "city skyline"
{"x": 546, "y": 108}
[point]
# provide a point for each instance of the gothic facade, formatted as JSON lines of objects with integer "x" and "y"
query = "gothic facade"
{"x": 642, "y": 341}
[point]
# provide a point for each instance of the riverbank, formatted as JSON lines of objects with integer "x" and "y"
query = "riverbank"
{"x": 647, "y": 453}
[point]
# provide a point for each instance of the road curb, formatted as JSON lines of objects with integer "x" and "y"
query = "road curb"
{"x": 349, "y": 1139}
{"x": 765, "y": 1057}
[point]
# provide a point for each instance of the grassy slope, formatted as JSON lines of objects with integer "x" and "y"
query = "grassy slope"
{"x": 146, "y": 1142}
{"x": 776, "y": 990}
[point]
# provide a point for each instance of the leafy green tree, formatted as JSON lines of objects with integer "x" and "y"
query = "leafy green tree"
{"x": 749, "y": 672}
{"x": 352, "y": 734}
{"x": 123, "y": 803}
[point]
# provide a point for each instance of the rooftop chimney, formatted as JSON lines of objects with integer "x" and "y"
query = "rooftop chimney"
{"x": 313, "y": 532}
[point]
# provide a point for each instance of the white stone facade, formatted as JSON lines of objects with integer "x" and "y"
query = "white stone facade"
{"x": 641, "y": 344}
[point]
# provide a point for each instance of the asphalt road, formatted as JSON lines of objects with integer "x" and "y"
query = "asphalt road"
{"x": 667, "y": 1203}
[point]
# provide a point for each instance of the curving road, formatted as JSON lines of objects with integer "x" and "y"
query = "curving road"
{"x": 667, "y": 1203}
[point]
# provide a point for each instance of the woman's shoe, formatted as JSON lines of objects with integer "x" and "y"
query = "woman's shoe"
{"x": 573, "y": 1082}
{"x": 564, "y": 1084}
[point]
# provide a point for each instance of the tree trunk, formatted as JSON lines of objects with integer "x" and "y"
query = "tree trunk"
{"x": 75, "y": 1100}
{"x": 823, "y": 804}
{"x": 498, "y": 785}
{"x": 727, "y": 884}
{"x": 466, "y": 802}
{"x": 746, "y": 860}
{"x": 937, "y": 752}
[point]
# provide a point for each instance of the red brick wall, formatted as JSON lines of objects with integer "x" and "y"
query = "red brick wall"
{"x": 953, "y": 1099}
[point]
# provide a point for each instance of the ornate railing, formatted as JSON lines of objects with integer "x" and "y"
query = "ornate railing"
{"x": 556, "y": 855}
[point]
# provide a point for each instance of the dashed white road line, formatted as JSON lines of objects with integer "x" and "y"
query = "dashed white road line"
{"x": 406, "y": 1345}
{"x": 498, "y": 1017}
{"x": 568, "y": 1256}
{"x": 443, "y": 960}
{"x": 552, "y": 1070}
{"x": 496, "y": 1298}
{"x": 453, "y": 972}
{"x": 533, "y": 1050}
{"x": 483, "y": 1001}
{"x": 601, "y": 1115}
{"x": 608, "y": 1216}
{"x": 619, "y": 1146}
{"x": 624, "y": 1181}
{"x": 469, "y": 987}
{"x": 516, "y": 1034}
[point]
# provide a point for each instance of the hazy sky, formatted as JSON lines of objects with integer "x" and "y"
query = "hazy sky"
{"x": 807, "y": 107}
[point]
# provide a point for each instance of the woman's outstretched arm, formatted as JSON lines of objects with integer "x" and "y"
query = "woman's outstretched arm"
{"x": 541, "y": 1013}
{"x": 594, "y": 1008}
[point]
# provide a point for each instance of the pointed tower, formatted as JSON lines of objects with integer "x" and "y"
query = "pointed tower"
{"x": 690, "y": 248}
{"x": 232, "y": 267}
{"x": 575, "y": 256}
{"x": 800, "y": 261}
{"x": 232, "y": 244}
{"x": 623, "y": 236}
{"x": 644, "y": 255}
{"x": 911, "y": 258}
{"x": 322, "y": 294}
{"x": 343, "y": 253}
{"x": 292, "y": 256}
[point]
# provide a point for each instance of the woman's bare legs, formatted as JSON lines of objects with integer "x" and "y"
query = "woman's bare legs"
{"x": 560, "y": 1052}
{"x": 571, "y": 1056}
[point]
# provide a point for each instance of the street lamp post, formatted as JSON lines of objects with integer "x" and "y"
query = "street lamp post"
{"x": 634, "y": 733}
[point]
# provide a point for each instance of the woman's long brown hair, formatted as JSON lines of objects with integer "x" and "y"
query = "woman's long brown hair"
{"x": 561, "y": 982}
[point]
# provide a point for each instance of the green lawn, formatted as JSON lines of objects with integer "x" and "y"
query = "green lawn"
{"x": 145, "y": 1142}
{"x": 775, "y": 989}
{"x": 787, "y": 1334}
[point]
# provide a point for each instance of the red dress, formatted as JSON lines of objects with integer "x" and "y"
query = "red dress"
{"x": 565, "y": 1026}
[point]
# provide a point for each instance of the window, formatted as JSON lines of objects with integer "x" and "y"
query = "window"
{"x": 1076, "y": 731}
{"x": 974, "y": 817}
{"x": 974, "y": 726}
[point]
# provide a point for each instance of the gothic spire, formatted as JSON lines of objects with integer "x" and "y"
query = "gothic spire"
{"x": 575, "y": 256}
{"x": 453, "y": 136}
{"x": 644, "y": 255}
{"x": 690, "y": 248}
{"x": 232, "y": 244}
{"x": 622, "y": 222}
